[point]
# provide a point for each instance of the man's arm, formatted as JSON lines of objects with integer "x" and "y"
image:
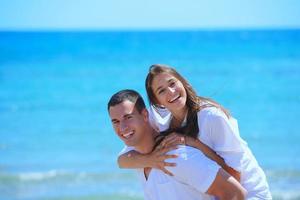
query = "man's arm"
{"x": 155, "y": 159}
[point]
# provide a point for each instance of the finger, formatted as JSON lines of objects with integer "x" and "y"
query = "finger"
{"x": 167, "y": 164}
{"x": 167, "y": 172}
{"x": 174, "y": 141}
{"x": 158, "y": 148}
{"x": 173, "y": 156}
{"x": 167, "y": 139}
{"x": 162, "y": 158}
{"x": 167, "y": 149}
{"x": 182, "y": 140}
{"x": 176, "y": 134}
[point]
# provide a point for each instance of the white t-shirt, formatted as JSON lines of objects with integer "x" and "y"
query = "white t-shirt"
{"x": 188, "y": 182}
{"x": 222, "y": 135}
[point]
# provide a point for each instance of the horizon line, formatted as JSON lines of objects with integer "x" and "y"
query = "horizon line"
{"x": 150, "y": 29}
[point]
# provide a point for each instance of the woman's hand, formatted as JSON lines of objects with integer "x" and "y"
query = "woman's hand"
{"x": 175, "y": 139}
{"x": 156, "y": 159}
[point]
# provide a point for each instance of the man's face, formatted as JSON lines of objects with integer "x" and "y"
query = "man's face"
{"x": 128, "y": 123}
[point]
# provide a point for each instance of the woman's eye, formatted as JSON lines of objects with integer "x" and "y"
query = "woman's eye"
{"x": 161, "y": 91}
{"x": 172, "y": 84}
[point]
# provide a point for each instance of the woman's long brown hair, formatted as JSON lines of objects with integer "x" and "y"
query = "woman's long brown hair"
{"x": 194, "y": 103}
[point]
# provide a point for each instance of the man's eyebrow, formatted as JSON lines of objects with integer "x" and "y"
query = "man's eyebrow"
{"x": 114, "y": 120}
{"x": 127, "y": 115}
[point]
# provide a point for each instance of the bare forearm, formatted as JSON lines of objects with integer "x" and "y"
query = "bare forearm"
{"x": 232, "y": 172}
{"x": 132, "y": 160}
{"x": 226, "y": 187}
{"x": 155, "y": 159}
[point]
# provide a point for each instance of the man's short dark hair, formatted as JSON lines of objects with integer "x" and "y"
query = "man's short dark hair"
{"x": 129, "y": 95}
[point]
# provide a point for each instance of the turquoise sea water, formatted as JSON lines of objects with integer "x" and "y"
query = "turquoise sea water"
{"x": 56, "y": 140}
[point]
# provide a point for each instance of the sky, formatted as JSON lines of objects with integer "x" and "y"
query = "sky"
{"x": 148, "y": 14}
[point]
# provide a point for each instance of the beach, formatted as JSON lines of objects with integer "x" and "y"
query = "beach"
{"x": 56, "y": 138}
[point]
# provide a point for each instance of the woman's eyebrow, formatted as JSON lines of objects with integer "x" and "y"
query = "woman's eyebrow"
{"x": 158, "y": 88}
{"x": 170, "y": 80}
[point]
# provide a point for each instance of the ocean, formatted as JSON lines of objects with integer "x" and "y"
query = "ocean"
{"x": 56, "y": 139}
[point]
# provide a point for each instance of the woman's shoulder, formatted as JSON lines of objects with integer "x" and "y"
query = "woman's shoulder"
{"x": 211, "y": 114}
{"x": 210, "y": 111}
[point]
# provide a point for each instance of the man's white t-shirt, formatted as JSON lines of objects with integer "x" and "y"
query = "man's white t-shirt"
{"x": 188, "y": 182}
{"x": 222, "y": 135}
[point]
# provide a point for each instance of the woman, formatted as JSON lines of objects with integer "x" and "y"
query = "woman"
{"x": 203, "y": 122}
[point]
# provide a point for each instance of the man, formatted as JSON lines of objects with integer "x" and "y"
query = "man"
{"x": 195, "y": 176}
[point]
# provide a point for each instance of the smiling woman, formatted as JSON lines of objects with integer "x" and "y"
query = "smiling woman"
{"x": 170, "y": 92}
{"x": 206, "y": 125}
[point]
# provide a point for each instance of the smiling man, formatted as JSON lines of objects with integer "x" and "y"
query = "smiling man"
{"x": 195, "y": 176}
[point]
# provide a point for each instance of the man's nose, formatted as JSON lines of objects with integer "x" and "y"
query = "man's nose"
{"x": 123, "y": 126}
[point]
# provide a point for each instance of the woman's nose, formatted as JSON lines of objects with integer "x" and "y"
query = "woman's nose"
{"x": 171, "y": 89}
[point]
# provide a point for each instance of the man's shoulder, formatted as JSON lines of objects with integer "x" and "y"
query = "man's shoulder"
{"x": 186, "y": 152}
{"x": 126, "y": 149}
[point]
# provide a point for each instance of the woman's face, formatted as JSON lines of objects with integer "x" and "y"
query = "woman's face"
{"x": 169, "y": 92}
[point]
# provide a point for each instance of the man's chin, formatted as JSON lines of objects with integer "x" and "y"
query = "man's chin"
{"x": 129, "y": 143}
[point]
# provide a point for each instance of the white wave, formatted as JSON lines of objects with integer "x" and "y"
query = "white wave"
{"x": 37, "y": 176}
{"x": 286, "y": 194}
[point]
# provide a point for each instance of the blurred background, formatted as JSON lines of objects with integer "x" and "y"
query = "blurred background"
{"x": 60, "y": 61}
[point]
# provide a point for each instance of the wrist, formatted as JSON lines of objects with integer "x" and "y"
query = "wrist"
{"x": 189, "y": 141}
{"x": 146, "y": 159}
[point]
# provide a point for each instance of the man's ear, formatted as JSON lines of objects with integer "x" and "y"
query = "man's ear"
{"x": 145, "y": 114}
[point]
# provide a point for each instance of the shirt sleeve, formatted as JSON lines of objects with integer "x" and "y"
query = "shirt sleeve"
{"x": 159, "y": 118}
{"x": 125, "y": 150}
{"x": 153, "y": 118}
{"x": 225, "y": 138}
{"x": 193, "y": 168}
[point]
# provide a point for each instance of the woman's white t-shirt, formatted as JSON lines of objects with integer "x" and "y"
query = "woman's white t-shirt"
{"x": 222, "y": 135}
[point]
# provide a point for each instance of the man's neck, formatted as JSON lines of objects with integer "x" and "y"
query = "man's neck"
{"x": 148, "y": 141}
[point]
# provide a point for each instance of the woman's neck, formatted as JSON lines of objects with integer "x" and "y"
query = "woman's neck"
{"x": 178, "y": 117}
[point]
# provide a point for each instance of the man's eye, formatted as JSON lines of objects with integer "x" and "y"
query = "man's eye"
{"x": 115, "y": 123}
{"x": 129, "y": 117}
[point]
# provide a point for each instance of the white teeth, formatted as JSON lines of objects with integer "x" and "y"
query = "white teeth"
{"x": 127, "y": 135}
{"x": 174, "y": 98}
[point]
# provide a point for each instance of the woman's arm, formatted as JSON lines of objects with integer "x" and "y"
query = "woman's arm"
{"x": 155, "y": 159}
{"x": 175, "y": 139}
